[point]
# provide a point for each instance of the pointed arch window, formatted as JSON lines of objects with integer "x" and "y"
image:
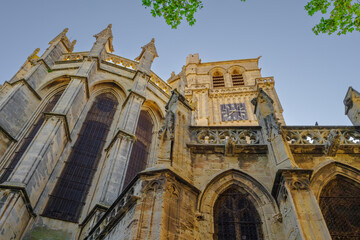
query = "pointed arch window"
{"x": 235, "y": 217}
{"x": 140, "y": 150}
{"x": 69, "y": 194}
{"x": 340, "y": 206}
{"x": 237, "y": 78}
{"x": 218, "y": 80}
{"x": 25, "y": 142}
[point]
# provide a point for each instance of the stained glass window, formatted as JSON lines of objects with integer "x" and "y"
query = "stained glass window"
{"x": 340, "y": 206}
{"x": 235, "y": 217}
{"x": 69, "y": 194}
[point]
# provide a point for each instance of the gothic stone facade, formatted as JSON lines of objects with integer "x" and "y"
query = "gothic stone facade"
{"x": 97, "y": 146}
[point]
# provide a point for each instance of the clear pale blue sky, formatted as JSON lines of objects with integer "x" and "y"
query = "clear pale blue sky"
{"x": 312, "y": 73}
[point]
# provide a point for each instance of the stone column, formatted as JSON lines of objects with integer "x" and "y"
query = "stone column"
{"x": 301, "y": 213}
{"x": 118, "y": 153}
{"x": 227, "y": 79}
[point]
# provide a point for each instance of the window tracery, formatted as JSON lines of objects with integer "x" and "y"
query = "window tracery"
{"x": 69, "y": 194}
{"x": 340, "y": 206}
{"x": 235, "y": 217}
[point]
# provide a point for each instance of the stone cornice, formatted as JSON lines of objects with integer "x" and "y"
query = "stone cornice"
{"x": 228, "y": 62}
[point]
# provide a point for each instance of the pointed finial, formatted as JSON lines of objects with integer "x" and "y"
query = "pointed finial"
{"x": 350, "y": 96}
{"x": 32, "y": 58}
{"x": 72, "y": 45}
{"x": 34, "y": 54}
{"x": 150, "y": 47}
{"x": 60, "y": 36}
{"x": 264, "y": 101}
{"x": 63, "y": 38}
{"x": 106, "y": 34}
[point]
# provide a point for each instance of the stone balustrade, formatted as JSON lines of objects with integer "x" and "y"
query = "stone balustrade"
{"x": 74, "y": 56}
{"x": 123, "y": 62}
{"x": 221, "y": 135}
{"x": 321, "y": 135}
{"x": 264, "y": 80}
{"x": 160, "y": 83}
{"x": 120, "y": 61}
{"x": 130, "y": 64}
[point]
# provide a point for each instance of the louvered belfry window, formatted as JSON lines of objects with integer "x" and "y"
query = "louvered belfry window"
{"x": 340, "y": 206}
{"x": 140, "y": 150}
{"x": 235, "y": 217}
{"x": 69, "y": 195}
{"x": 25, "y": 142}
{"x": 218, "y": 80}
{"x": 237, "y": 79}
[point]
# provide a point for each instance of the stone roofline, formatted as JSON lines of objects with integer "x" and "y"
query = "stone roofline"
{"x": 228, "y": 61}
{"x": 233, "y": 61}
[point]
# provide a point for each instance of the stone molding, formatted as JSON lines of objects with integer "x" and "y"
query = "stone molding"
{"x": 328, "y": 171}
{"x": 298, "y": 179}
{"x": 121, "y": 134}
{"x": 21, "y": 189}
{"x": 26, "y": 84}
{"x": 63, "y": 118}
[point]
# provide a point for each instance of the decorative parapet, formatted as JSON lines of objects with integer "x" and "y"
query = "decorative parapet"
{"x": 130, "y": 64}
{"x": 123, "y": 62}
{"x": 120, "y": 61}
{"x": 74, "y": 56}
{"x": 328, "y": 140}
{"x": 228, "y": 140}
{"x": 116, "y": 212}
{"x": 265, "y": 81}
{"x": 160, "y": 83}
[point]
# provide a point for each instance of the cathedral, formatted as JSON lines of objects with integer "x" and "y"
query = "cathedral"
{"x": 97, "y": 146}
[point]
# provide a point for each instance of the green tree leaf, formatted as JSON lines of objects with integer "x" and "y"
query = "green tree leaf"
{"x": 344, "y": 15}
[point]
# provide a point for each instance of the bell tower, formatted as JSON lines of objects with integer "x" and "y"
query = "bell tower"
{"x": 221, "y": 92}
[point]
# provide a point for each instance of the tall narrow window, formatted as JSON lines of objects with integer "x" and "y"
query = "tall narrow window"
{"x": 218, "y": 80}
{"x": 25, "y": 142}
{"x": 69, "y": 194}
{"x": 140, "y": 150}
{"x": 340, "y": 206}
{"x": 235, "y": 217}
{"x": 237, "y": 78}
